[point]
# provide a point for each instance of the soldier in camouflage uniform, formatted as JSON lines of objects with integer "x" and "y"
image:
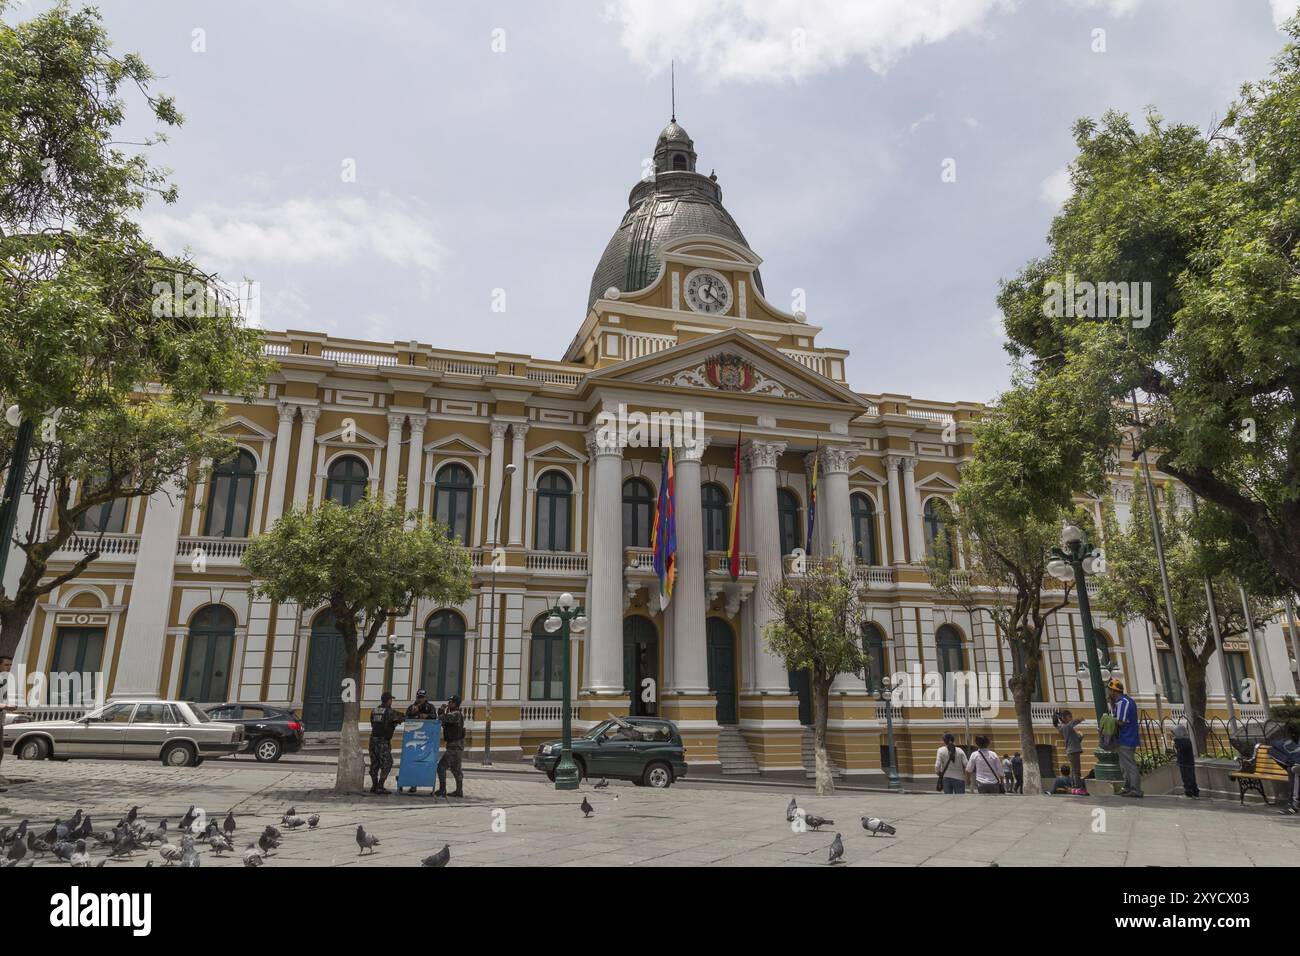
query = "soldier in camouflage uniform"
{"x": 453, "y": 734}
{"x": 383, "y": 719}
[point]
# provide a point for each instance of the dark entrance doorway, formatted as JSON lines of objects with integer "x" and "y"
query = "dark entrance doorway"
{"x": 1047, "y": 766}
{"x": 641, "y": 665}
{"x": 206, "y": 674}
{"x": 322, "y": 696}
{"x": 721, "y": 643}
{"x": 801, "y": 684}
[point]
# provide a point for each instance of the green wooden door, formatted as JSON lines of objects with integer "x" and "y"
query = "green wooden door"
{"x": 322, "y": 698}
{"x": 641, "y": 663}
{"x": 721, "y": 644}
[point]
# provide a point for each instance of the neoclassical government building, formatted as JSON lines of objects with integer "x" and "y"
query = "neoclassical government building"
{"x": 677, "y": 321}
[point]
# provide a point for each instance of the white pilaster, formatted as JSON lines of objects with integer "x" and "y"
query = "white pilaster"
{"x": 280, "y": 464}
{"x": 393, "y": 456}
{"x": 690, "y": 655}
{"x": 915, "y": 534}
{"x": 415, "y": 463}
{"x": 139, "y": 664}
{"x": 605, "y": 628}
{"x": 896, "y": 552}
{"x": 496, "y": 466}
{"x": 306, "y": 452}
{"x": 770, "y": 671}
{"x": 836, "y": 460}
{"x": 518, "y": 431}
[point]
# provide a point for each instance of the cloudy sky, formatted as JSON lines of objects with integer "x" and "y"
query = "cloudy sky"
{"x": 494, "y": 145}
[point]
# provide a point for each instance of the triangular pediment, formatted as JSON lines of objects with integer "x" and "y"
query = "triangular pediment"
{"x": 729, "y": 364}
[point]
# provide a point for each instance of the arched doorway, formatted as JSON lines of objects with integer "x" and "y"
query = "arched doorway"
{"x": 322, "y": 696}
{"x": 205, "y": 676}
{"x": 641, "y": 662}
{"x": 721, "y": 644}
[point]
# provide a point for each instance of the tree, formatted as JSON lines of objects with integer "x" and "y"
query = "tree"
{"x": 366, "y": 565}
{"x": 1208, "y": 222}
{"x": 108, "y": 347}
{"x": 1008, "y": 517}
{"x": 1131, "y": 589}
{"x": 818, "y": 628}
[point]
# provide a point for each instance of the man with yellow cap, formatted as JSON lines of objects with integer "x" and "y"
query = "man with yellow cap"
{"x": 1126, "y": 722}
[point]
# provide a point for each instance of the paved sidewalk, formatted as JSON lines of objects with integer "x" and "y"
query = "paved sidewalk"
{"x": 695, "y": 825}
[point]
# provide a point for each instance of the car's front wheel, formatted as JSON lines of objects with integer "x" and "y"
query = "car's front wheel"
{"x": 34, "y": 749}
{"x": 658, "y": 775}
{"x": 268, "y": 749}
{"x": 179, "y": 755}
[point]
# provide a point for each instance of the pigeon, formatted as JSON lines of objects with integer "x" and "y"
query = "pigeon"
{"x": 80, "y": 857}
{"x": 86, "y": 828}
{"x": 267, "y": 843}
{"x": 104, "y": 837}
{"x": 603, "y": 784}
{"x": 16, "y": 852}
{"x": 130, "y": 815}
{"x": 63, "y": 850}
{"x": 313, "y": 821}
{"x": 587, "y": 808}
{"x": 13, "y": 863}
{"x": 874, "y": 825}
{"x": 251, "y": 856}
{"x": 816, "y": 822}
{"x": 366, "y": 841}
{"x": 36, "y": 845}
{"x": 169, "y": 853}
{"x": 438, "y": 859}
{"x": 274, "y": 832}
{"x": 56, "y": 833}
{"x": 124, "y": 846}
{"x": 189, "y": 855}
{"x": 291, "y": 812}
{"x": 790, "y": 811}
{"x": 159, "y": 835}
{"x": 4, "y": 837}
{"x": 229, "y": 825}
{"x": 73, "y": 822}
{"x": 187, "y": 819}
{"x": 294, "y": 823}
{"x": 220, "y": 844}
{"x": 837, "y": 849}
{"x": 21, "y": 832}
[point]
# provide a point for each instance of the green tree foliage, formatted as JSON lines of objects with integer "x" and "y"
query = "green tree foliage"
{"x": 1209, "y": 219}
{"x": 818, "y": 628}
{"x": 366, "y": 565}
{"x": 108, "y": 346}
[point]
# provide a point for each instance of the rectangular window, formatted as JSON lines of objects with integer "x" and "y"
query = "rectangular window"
{"x": 1169, "y": 677}
{"x": 75, "y": 666}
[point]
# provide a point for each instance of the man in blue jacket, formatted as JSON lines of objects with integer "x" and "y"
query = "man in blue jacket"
{"x": 1126, "y": 744}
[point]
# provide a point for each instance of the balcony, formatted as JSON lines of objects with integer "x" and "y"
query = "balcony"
{"x": 545, "y": 713}
{"x": 225, "y": 552}
{"x": 873, "y": 576}
{"x": 567, "y": 563}
{"x": 111, "y": 547}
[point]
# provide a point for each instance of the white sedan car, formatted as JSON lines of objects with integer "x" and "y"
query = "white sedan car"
{"x": 173, "y": 731}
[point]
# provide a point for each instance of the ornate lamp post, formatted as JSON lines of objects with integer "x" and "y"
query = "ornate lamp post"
{"x": 492, "y": 638}
{"x": 1074, "y": 560}
{"x": 566, "y": 616}
{"x": 885, "y": 692}
{"x": 391, "y": 650}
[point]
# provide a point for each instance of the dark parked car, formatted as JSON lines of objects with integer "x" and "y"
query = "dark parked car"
{"x": 645, "y": 750}
{"x": 270, "y": 731}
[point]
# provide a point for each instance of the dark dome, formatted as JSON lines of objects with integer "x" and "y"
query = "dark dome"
{"x": 676, "y": 202}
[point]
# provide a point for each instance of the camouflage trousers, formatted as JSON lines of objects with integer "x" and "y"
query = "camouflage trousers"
{"x": 450, "y": 759}
{"x": 381, "y": 758}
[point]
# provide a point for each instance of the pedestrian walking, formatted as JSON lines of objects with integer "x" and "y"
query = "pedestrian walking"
{"x": 1124, "y": 711}
{"x": 1067, "y": 725}
{"x": 383, "y": 720}
{"x": 1018, "y": 773}
{"x": 1186, "y": 758}
{"x": 1008, "y": 782}
{"x": 983, "y": 764}
{"x": 453, "y": 736}
{"x": 950, "y": 765}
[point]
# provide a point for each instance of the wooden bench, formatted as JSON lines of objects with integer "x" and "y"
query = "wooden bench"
{"x": 1255, "y": 771}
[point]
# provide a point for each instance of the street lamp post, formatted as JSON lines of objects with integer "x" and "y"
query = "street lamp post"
{"x": 566, "y": 616}
{"x": 1076, "y": 559}
{"x": 885, "y": 692}
{"x": 492, "y": 638}
{"x": 391, "y": 650}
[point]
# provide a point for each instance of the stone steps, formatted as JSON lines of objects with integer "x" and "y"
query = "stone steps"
{"x": 733, "y": 752}
{"x": 809, "y": 759}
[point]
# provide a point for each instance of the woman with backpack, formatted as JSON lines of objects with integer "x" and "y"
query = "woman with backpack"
{"x": 950, "y": 764}
{"x": 986, "y": 767}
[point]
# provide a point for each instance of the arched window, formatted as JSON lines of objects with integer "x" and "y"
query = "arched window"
{"x": 444, "y": 654}
{"x": 787, "y": 512}
{"x": 862, "y": 513}
{"x": 554, "y": 498}
{"x": 205, "y": 677}
{"x": 947, "y": 646}
{"x": 873, "y": 642}
{"x": 679, "y": 161}
{"x": 545, "y": 663}
{"x": 638, "y": 513}
{"x": 713, "y": 501}
{"x": 109, "y": 517}
{"x": 346, "y": 481}
{"x": 230, "y": 499}
{"x": 936, "y": 514}
{"x": 453, "y": 499}
{"x": 1105, "y": 656}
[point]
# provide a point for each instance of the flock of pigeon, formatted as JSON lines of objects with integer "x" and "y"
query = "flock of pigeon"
{"x": 873, "y": 825}
{"x": 70, "y": 840}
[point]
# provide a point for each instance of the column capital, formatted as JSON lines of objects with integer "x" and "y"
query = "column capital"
{"x": 893, "y": 461}
{"x": 909, "y": 464}
{"x": 837, "y": 459}
{"x": 309, "y": 414}
{"x": 418, "y": 422}
{"x": 287, "y": 410}
{"x": 762, "y": 454}
{"x": 519, "y": 430}
{"x": 601, "y": 445}
{"x": 396, "y": 420}
{"x": 498, "y": 429}
{"x": 692, "y": 452}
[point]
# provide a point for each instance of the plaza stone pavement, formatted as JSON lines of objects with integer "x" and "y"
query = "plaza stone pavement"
{"x": 709, "y": 824}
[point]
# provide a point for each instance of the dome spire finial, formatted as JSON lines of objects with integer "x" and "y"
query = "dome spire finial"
{"x": 672, "y": 66}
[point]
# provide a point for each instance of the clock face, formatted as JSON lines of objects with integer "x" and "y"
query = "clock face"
{"x": 708, "y": 292}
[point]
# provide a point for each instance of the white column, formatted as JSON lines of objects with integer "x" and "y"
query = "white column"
{"x": 770, "y": 671}
{"x": 816, "y": 544}
{"x": 690, "y": 654}
{"x": 393, "y": 456}
{"x": 605, "y": 628}
{"x": 306, "y": 454}
{"x": 415, "y": 463}
{"x": 280, "y": 464}
{"x": 139, "y": 663}
{"x": 518, "y": 431}
{"x": 836, "y": 460}
{"x": 896, "y": 553}
{"x": 915, "y": 534}
{"x": 496, "y": 466}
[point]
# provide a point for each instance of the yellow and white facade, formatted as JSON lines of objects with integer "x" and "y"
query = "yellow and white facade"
{"x": 167, "y": 608}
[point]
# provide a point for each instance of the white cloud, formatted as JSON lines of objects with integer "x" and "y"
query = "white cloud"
{"x": 245, "y": 239}
{"x": 1283, "y": 10}
{"x": 778, "y": 40}
{"x": 1056, "y": 188}
{"x": 927, "y": 118}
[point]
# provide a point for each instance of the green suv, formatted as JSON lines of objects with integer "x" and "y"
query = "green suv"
{"x": 645, "y": 750}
